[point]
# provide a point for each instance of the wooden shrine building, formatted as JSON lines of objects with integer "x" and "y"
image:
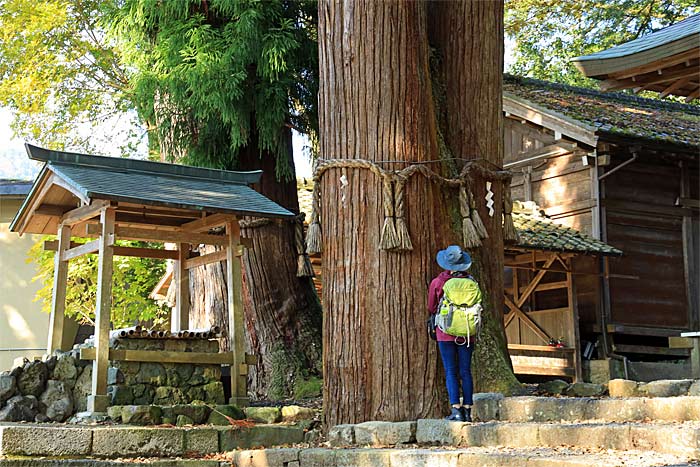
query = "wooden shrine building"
{"x": 666, "y": 61}
{"x": 542, "y": 318}
{"x": 625, "y": 171}
{"x": 104, "y": 200}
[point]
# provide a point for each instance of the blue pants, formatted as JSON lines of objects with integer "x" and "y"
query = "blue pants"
{"x": 457, "y": 360}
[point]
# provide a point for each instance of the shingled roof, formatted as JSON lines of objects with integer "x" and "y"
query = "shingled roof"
{"x": 536, "y": 231}
{"x": 142, "y": 182}
{"x": 612, "y": 113}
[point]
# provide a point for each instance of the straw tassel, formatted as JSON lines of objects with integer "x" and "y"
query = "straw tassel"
{"x": 476, "y": 219}
{"x": 304, "y": 268}
{"x": 470, "y": 235}
{"x": 404, "y": 238}
{"x": 314, "y": 240}
{"x": 509, "y": 232}
{"x": 389, "y": 239}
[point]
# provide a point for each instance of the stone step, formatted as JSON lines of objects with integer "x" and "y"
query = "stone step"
{"x": 130, "y": 441}
{"x": 408, "y": 457}
{"x": 681, "y": 439}
{"x": 492, "y": 406}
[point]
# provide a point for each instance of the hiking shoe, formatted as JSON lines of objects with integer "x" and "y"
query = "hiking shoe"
{"x": 466, "y": 413}
{"x": 456, "y": 415}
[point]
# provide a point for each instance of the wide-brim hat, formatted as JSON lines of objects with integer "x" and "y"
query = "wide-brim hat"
{"x": 453, "y": 258}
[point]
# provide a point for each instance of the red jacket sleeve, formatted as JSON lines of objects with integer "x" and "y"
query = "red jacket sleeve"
{"x": 434, "y": 292}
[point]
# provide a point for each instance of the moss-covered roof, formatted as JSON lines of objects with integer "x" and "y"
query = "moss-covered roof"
{"x": 538, "y": 232}
{"x": 613, "y": 113}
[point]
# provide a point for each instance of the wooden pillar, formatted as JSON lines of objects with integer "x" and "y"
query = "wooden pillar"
{"x": 574, "y": 337}
{"x": 181, "y": 316}
{"x": 98, "y": 401}
{"x": 239, "y": 369}
{"x": 58, "y": 298}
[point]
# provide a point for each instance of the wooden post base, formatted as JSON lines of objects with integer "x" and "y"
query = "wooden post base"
{"x": 97, "y": 403}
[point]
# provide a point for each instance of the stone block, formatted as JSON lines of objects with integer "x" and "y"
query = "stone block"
{"x": 666, "y": 388}
{"x": 198, "y": 413}
{"x": 220, "y": 412}
{"x": 152, "y": 373}
{"x": 33, "y": 379}
{"x": 385, "y": 433}
{"x": 515, "y": 435}
{"x": 120, "y": 394}
{"x": 83, "y": 387}
{"x": 201, "y": 441}
{"x": 168, "y": 395}
{"x": 585, "y": 390}
{"x": 605, "y": 436}
{"x": 543, "y": 409}
{"x": 439, "y": 432}
{"x": 623, "y": 388}
{"x": 214, "y": 392}
{"x": 115, "y": 376}
{"x": 672, "y": 409}
{"x": 555, "y": 387}
{"x": 426, "y": 458}
{"x": 342, "y": 435}
{"x": 293, "y": 413}
{"x": 44, "y": 441}
{"x": 486, "y": 406}
{"x": 479, "y": 434}
{"x": 264, "y": 414}
{"x": 598, "y": 371}
{"x": 138, "y": 442}
{"x": 363, "y": 457}
{"x": 679, "y": 440}
{"x": 233, "y": 438}
{"x": 617, "y": 410}
{"x": 8, "y": 387}
{"x": 65, "y": 370}
{"x": 318, "y": 457}
{"x": 115, "y": 413}
{"x": 694, "y": 389}
{"x": 266, "y": 457}
{"x": 141, "y": 414}
{"x": 20, "y": 409}
{"x": 58, "y": 400}
{"x": 184, "y": 420}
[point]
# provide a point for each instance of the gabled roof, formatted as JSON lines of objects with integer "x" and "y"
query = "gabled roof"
{"x": 538, "y": 232}
{"x": 592, "y": 113}
{"x": 666, "y": 61}
{"x": 149, "y": 183}
{"x": 689, "y": 29}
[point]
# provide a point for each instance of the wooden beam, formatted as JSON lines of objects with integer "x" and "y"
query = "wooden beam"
{"x": 539, "y": 348}
{"x": 137, "y": 220}
{"x": 675, "y": 85}
{"x": 98, "y": 401}
{"x": 552, "y": 120}
{"x": 641, "y": 330}
{"x": 676, "y": 342}
{"x": 573, "y": 328}
{"x": 209, "y": 222}
{"x": 528, "y": 321}
{"x": 209, "y": 258}
{"x": 535, "y": 282}
{"x": 51, "y": 210}
{"x": 693, "y": 95}
{"x": 655, "y": 78}
{"x": 650, "y": 350}
{"x": 154, "y": 253}
{"x": 37, "y": 201}
{"x": 165, "y": 356}
{"x": 155, "y": 235}
{"x": 239, "y": 392}
{"x": 543, "y": 370}
{"x": 556, "y": 149}
{"x": 144, "y": 210}
{"x": 58, "y": 297}
{"x": 84, "y": 213}
{"x": 80, "y": 250}
{"x": 539, "y": 256}
{"x": 181, "y": 316}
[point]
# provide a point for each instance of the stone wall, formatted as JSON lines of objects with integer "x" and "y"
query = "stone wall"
{"x": 57, "y": 387}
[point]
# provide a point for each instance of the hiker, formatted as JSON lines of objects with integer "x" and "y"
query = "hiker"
{"x": 454, "y": 300}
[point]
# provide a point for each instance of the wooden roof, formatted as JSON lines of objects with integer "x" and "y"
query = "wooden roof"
{"x": 666, "y": 61}
{"x": 585, "y": 114}
{"x": 144, "y": 192}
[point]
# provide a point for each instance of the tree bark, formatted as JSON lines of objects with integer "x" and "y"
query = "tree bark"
{"x": 282, "y": 311}
{"x": 469, "y": 38}
{"x": 377, "y": 102}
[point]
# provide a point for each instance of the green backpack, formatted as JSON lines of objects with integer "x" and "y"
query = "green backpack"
{"x": 459, "y": 312}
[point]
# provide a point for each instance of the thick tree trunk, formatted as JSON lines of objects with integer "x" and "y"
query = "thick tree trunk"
{"x": 377, "y": 103}
{"x": 282, "y": 311}
{"x": 469, "y": 38}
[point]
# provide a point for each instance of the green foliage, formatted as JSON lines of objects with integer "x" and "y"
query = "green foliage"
{"x": 211, "y": 75}
{"x": 133, "y": 280}
{"x": 548, "y": 33}
{"x": 58, "y": 73}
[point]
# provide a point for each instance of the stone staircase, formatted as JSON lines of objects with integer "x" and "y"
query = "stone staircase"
{"x": 511, "y": 432}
